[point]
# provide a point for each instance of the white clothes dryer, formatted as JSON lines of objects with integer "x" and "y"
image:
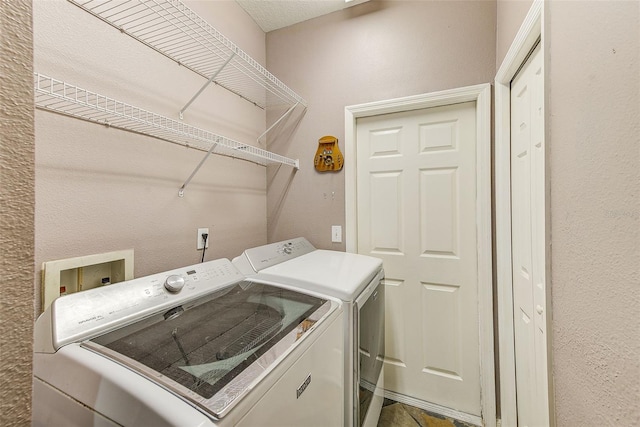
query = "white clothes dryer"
{"x": 355, "y": 279}
{"x": 195, "y": 346}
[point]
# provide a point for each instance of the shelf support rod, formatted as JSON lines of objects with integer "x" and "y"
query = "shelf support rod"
{"x": 181, "y": 190}
{"x": 213, "y": 76}
{"x": 279, "y": 120}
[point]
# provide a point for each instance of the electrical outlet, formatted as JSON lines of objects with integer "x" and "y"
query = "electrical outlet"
{"x": 336, "y": 233}
{"x": 201, "y": 240}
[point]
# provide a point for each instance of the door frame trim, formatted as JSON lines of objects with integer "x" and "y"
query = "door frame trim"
{"x": 481, "y": 95}
{"x": 525, "y": 40}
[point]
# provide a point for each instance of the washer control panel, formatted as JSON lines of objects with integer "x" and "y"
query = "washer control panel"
{"x": 84, "y": 314}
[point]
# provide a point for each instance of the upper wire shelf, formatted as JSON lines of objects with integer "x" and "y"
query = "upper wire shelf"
{"x": 171, "y": 28}
{"x": 62, "y": 97}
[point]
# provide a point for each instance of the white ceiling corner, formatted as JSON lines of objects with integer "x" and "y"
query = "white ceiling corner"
{"x": 274, "y": 14}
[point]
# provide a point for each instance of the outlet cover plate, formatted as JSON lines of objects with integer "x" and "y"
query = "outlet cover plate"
{"x": 201, "y": 240}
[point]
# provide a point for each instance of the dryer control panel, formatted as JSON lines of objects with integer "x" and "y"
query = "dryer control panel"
{"x": 256, "y": 259}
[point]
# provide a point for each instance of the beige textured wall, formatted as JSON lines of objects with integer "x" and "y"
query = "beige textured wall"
{"x": 509, "y": 16}
{"x": 16, "y": 212}
{"x": 373, "y": 51}
{"x": 101, "y": 189}
{"x": 594, "y": 142}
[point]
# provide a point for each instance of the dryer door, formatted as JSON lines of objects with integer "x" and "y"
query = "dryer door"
{"x": 370, "y": 339}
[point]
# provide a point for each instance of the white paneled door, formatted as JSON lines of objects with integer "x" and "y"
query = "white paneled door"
{"x": 417, "y": 210}
{"x": 527, "y": 242}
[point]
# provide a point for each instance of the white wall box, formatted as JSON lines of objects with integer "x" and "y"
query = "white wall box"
{"x": 172, "y": 29}
{"x": 66, "y": 276}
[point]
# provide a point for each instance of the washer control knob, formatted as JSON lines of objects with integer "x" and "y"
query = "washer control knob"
{"x": 174, "y": 283}
{"x": 287, "y": 250}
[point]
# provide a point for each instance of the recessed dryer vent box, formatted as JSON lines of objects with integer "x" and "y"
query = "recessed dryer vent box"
{"x": 66, "y": 276}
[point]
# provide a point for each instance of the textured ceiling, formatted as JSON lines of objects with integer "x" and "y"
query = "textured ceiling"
{"x": 273, "y": 14}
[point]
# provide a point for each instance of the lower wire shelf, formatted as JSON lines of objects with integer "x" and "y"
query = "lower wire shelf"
{"x": 59, "y": 96}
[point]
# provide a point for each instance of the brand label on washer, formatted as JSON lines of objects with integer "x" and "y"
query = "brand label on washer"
{"x": 303, "y": 386}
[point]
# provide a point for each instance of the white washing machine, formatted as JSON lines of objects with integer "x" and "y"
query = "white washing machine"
{"x": 195, "y": 346}
{"x": 357, "y": 281}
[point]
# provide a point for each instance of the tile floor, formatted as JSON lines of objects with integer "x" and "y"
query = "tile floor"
{"x": 396, "y": 414}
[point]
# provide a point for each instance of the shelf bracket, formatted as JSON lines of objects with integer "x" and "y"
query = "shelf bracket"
{"x": 181, "y": 190}
{"x": 279, "y": 120}
{"x": 213, "y": 76}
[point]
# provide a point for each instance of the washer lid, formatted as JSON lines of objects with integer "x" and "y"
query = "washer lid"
{"x": 213, "y": 350}
{"x": 338, "y": 274}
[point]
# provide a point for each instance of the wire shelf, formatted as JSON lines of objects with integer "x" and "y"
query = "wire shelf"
{"x": 171, "y": 28}
{"x": 62, "y": 97}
